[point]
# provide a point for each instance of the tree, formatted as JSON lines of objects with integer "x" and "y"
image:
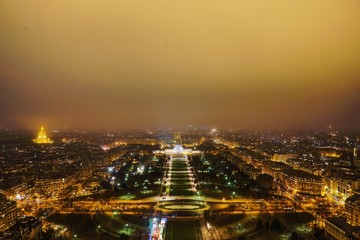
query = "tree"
{"x": 259, "y": 225}
{"x": 276, "y": 226}
{"x": 294, "y": 236}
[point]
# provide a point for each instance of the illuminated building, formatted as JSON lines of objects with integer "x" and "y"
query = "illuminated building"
{"x": 352, "y": 208}
{"x": 283, "y": 157}
{"x": 93, "y": 182}
{"x": 329, "y": 154}
{"x": 42, "y": 137}
{"x": 178, "y": 149}
{"x": 26, "y": 228}
{"x": 104, "y": 173}
{"x": 338, "y": 228}
{"x": 30, "y": 228}
{"x": 266, "y": 181}
{"x": 252, "y": 171}
{"x": 356, "y": 158}
{"x": 343, "y": 186}
{"x": 55, "y": 184}
{"x": 8, "y": 213}
{"x": 18, "y": 188}
{"x": 311, "y": 186}
{"x": 303, "y": 182}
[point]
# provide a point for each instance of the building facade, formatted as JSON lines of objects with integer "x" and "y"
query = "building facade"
{"x": 336, "y": 228}
{"x": 352, "y": 209}
{"x": 8, "y": 213}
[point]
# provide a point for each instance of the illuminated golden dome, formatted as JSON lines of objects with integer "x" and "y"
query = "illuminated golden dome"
{"x": 41, "y": 137}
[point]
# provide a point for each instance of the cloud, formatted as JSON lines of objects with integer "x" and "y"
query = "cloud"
{"x": 128, "y": 64}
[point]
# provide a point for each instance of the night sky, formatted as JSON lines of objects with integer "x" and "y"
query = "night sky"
{"x": 118, "y": 64}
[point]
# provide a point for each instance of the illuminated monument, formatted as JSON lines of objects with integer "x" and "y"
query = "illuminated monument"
{"x": 41, "y": 137}
{"x": 178, "y": 148}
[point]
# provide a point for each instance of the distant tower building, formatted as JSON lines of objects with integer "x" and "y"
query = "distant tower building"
{"x": 178, "y": 149}
{"x": 355, "y": 152}
{"x": 356, "y": 159}
{"x": 42, "y": 137}
{"x": 177, "y": 139}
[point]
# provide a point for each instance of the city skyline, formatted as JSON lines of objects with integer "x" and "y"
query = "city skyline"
{"x": 180, "y": 185}
{"x": 138, "y": 65}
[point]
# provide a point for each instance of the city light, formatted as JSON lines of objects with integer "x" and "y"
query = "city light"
{"x": 179, "y": 120}
{"x": 181, "y": 184}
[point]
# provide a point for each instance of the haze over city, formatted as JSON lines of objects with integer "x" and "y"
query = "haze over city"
{"x": 151, "y": 64}
{"x": 173, "y": 120}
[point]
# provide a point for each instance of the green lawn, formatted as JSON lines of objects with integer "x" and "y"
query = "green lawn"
{"x": 180, "y": 181}
{"x": 180, "y": 175}
{"x": 181, "y": 191}
{"x": 183, "y": 230}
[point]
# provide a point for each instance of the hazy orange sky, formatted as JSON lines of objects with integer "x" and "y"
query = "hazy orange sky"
{"x": 118, "y": 64}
